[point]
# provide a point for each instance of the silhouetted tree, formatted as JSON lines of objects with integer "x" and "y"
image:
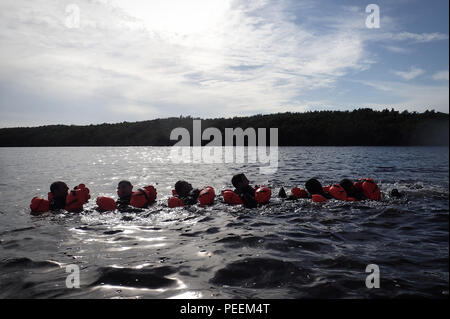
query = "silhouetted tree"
{"x": 340, "y": 128}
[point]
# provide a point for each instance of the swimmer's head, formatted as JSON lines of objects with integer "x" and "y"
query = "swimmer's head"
{"x": 313, "y": 186}
{"x": 59, "y": 189}
{"x": 395, "y": 193}
{"x": 239, "y": 181}
{"x": 348, "y": 186}
{"x": 183, "y": 188}
{"x": 124, "y": 189}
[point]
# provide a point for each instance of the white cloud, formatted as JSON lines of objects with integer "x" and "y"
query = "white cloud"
{"x": 229, "y": 60}
{"x": 412, "y": 97}
{"x": 441, "y": 76}
{"x": 199, "y": 57}
{"x": 397, "y": 49}
{"x": 411, "y": 74}
{"x": 416, "y": 37}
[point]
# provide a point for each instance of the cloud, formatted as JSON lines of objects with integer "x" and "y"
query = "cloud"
{"x": 416, "y": 37}
{"x": 136, "y": 59}
{"x": 441, "y": 76}
{"x": 128, "y": 54}
{"x": 409, "y": 75}
{"x": 406, "y": 96}
{"x": 397, "y": 49}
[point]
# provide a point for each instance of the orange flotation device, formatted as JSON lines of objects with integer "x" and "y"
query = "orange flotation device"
{"x": 231, "y": 197}
{"x": 85, "y": 191}
{"x": 370, "y": 189}
{"x": 316, "y": 198}
{"x": 75, "y": 200}
{"x": 206, "y": 196}
{"x": 106, "y": 203}
{"x": 263, "y": 194}
{"x": 143, "y": 197}
{"x": 358, "y": 186}
{"x": 299, "y": 192}
{"x": 175, "y": 202}
{"x": 326, "y": 189}
{"x": 39, "y": 205}
{"x": 338, "y": 192}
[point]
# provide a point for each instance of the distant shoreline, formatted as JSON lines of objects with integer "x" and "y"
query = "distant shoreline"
{"x": 362, "y": 127}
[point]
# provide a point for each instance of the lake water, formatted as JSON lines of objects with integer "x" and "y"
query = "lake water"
{"x": 281, "y": 250}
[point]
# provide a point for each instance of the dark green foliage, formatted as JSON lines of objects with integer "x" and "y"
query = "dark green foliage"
{"x": 326, "y": 128}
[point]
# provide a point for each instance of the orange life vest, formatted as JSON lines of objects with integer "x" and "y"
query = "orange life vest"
{"x": 358, "y": 186}
{"x": 85, "y": 191}
{"x": 316, "y": 198}
{"x": 370, "y": 189}
{"x": 175, "y": 202}
{"x": 75, "y": 200}
{"x": 338, "y": 192}
{"x": 143, "y": 197}
{"x": 39, "y": 205}
{"x": 231, "y": 197}
{"x": 106, "y": 203}
{"x": 263, "y": 194}
{"x": 206, "y": 196}
{"x": 299, "y": 192}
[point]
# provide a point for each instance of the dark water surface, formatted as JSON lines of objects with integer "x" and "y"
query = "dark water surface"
{"x": 282, "y": 250}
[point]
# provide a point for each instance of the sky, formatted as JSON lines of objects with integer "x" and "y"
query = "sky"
{"x": 108, "y": 61}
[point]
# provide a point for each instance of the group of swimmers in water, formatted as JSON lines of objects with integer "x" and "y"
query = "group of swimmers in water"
{"x": 184, "y": 194}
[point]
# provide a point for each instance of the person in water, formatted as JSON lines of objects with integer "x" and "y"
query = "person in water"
{"x": 124, "y": 191}
{"x": 314, "y": 187}
{"x": 282, "y": 194}
{"x": 351, "y": 190}
{"x": 395, "y": 193}
{"x": 186, "y": 192}
{"x": 59, "y": 193}
{"x": 244, "y": 190}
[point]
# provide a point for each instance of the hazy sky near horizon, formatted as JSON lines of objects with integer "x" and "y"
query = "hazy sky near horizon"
{"x": 96, "y": 61}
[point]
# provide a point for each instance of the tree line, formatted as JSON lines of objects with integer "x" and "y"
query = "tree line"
{"x": 365, "y": 127}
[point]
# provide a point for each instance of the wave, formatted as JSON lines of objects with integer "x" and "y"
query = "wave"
{"x": 151, "y": 278}
{"x": 260, "y": 273}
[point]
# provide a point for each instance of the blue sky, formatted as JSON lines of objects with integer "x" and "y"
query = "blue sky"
{"x": 97, "y": 61}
